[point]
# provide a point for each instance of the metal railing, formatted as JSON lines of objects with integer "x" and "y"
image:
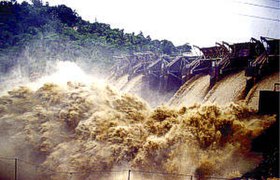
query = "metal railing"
{"x": 19, "y": 169}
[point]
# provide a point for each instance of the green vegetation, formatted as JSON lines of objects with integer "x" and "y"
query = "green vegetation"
{"x": 36, "y": 33}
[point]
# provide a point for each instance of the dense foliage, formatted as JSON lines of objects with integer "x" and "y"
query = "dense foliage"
{"x": 38, "y": 32}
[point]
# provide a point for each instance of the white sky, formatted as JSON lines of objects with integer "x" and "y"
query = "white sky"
{"x": 199, "y": 22}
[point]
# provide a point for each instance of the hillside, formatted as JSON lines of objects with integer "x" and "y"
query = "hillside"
{"x": 36, "y": 33}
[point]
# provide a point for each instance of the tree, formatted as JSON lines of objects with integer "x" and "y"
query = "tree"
{"x": 37, "y": 3}
{"x": 167, "y": 47}
{"x": 67, "y": 15}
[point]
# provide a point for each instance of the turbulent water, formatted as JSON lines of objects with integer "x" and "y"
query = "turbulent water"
{"x": 90, "y": 126}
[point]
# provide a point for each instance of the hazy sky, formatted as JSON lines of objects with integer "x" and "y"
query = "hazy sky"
{"x": 199, "y": 22}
